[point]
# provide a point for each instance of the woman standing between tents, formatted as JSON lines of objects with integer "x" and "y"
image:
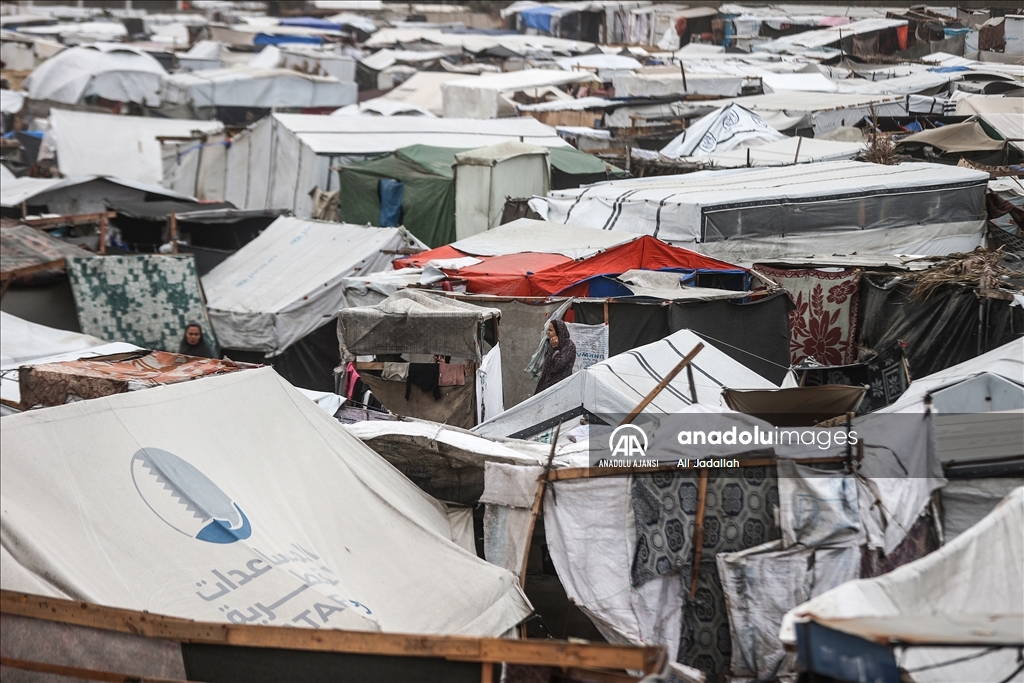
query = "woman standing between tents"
{"x": 559, "y": 357}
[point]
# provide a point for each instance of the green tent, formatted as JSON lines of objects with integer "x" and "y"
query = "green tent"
{"x": 428, "y": 198}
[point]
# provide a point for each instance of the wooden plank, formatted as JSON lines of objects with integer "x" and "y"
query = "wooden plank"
{"x": 28, "y": 270}
{"x": 460, "y": 648}
{"x": 78, "y": 672}
{"x": 698, "y": 531}
{"x": 67, "y": 221}
{"x": 663, "y": 383}
{"x": 367, "y": 365}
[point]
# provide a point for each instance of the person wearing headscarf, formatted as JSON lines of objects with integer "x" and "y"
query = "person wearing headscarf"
{"x": 559, "y": 357}
{"x": 193, "y": 344}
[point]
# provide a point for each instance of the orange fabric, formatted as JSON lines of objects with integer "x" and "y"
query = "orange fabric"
{"x": 901, "y": 36}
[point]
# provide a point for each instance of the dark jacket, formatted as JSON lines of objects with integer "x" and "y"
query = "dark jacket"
{"x": 202, "y": 349}
{"x": 557, "y": 362}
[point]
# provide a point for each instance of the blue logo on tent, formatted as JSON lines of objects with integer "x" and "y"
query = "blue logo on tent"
{"x": 186, "y": 499}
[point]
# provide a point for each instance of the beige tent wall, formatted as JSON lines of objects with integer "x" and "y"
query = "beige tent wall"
{"x": 480, "y": 191}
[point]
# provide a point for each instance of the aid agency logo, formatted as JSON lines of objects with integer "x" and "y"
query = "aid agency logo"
{"x": 186, "y": 499}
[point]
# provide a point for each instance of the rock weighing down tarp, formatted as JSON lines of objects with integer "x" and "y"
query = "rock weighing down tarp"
{"x": 754, "y": 214}
{"x": 287, "y": 282}
{"x": 263, "y": 510}
{"x": 145, "y": 300}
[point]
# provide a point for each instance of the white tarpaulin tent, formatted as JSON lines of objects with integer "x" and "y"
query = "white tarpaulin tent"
{"x": 485, "y": 177}
{"x": 969, "y": 591}
{"x": 278, "y": 161}
{"x": 661, "y": 81}
{"x": 809, "y": 40}
{"x": 288, "y": 281}
{"x": 783, "y": 152}
{"x": 617, "y": 385}
{"x": 720, "y": 131}
{"x": 481, "y": 98}
{"x": 108, "y": 70}
{"x": 824, "y": 111}
{"x": 741, "y": 215}
{"x": 81, "y": 194}
{"x": 525, "y": 235}
{"x": 121, "y": 146}
{"x": 264, "y": 510}
{"x": 249, "y": 86}
{"x": 23, "y": 340}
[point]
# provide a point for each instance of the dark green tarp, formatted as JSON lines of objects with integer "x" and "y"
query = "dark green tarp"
{"x": 428, "y": 202}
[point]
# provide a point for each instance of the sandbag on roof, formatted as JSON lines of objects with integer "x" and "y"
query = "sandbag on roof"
{"x": 968, "y": 136}
{"x": 617, "y": 385}
{"x": 262, "y": 511}
{"x": 288, "y": 282}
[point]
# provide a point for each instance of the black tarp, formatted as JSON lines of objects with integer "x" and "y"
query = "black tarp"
{"x": 216, "y": 225}
{"x": 308, "y": 363}
{"x": 950, "y": 326}
{"x": 629, "y": 324}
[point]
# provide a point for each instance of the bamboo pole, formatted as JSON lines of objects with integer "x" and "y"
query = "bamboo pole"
{"x": 663, "y": 383}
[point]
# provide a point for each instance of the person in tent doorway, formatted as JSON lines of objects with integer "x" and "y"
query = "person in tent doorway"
{"x": 559, "y": 357}
{"x": 193, "y": 344}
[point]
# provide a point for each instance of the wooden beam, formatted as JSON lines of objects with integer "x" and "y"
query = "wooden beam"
{"x": 460, "y": 648}
{"x": 663, "y": 383}
{"x": 28, "y": 270}
{"x": 67, "y": 221}
{"x": 172, "y": 223}
{"x": 80, "y": 673}
{"x": 698, "y": 530}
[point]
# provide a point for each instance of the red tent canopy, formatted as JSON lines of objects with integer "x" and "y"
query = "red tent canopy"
{"x": 537, "y": 274}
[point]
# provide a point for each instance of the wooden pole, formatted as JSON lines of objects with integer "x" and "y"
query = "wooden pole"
{"x": 103, "y": 233}
{"x": 606, "y": 311}
{"x": 698, "y": 530}
{"x": 663, "y": 383}
{"x": 682, "y": 70}
{"x": 796, "y": 157}
{"x": 538, "y": 500}
{"x": 173, "y": 222}
{"x": 693, "y": 385}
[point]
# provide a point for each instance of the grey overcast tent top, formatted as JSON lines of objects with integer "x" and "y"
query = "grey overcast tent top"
{"x": 414, "y": 322}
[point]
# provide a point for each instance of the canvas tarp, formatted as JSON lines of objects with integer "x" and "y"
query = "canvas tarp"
{"x": 212, "y": 523}
{"x": 968, "y": 136}
{"x": 23, "y": 341}
{"x": 120, "y": 146}
{"x": 110, "y": 71}
{"x": 81, "y": 194}
{"x": 784, "y": 152}
{"x": 720, "y": 131}
{"x": 920, "y": 596}
{"x": 288, "y": 282}
{"x": 481, "y": 97}
{"x": 24, "y": 249}
{"x": 54, "y": 384}
{"x": 145, "y": 300}
{"x": 428, "y": 195}
{"x": 414, "y": 322}
{"x": 249, "y": 86}
{"x": 617, "y": 385}
{"x": 819, "y": 208}
{"x": 485, "y": 178}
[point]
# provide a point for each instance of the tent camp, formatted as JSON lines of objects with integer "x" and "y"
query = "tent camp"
{"x": 490, "y": 96}
{"x": 721, "y": 131}
{"x": 127, "y": 147}
{"x": 305, "y": 148}
{"x": 619, "y": 384}
{"x": 253, "y": 87}
{"x": 960, "y": 631}
{"x": 102, "y": 71}
{"x": 405, "y": 334}
{"x": 537, "y": 258}
{"x": 212, "y": 523}
{"x": 277, "y": 296}
{"x": 743, "y": 214}
{"x": 441, "y": 186}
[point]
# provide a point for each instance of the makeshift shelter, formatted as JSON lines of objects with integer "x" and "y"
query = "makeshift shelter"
{"x": 822, "y": 112}
{"x": 423, "y": 90}
{"x": 23, "y": 341}
{"x": 486, "y": 177}
{"x": 410, "y": 324}
{"x": 958, "y": 631}
{"x": 666, "y": 81}
{"x": 127, "y": 147}
{"x": 427, "y": 198}
{"x": 276, "y": 297}
{"x": 57, "y": 383}
{"x": 490, "y": 96}
{"x": 307, "y": 148}
{"x": 721, "y": 131}
{"x": 139, "y": 464}
{"x": 955, "y": 140}
{"x": 25, "y": 251}
{"x": 617, "y": 385}
{"x": 146, "y": 300}
{"x": 251, "y": 87}
{"x": 744, "y": 214}
{"x": 75, "y": 196}
{"x": 535, "y": 258}
{"x": 102, "y": 71}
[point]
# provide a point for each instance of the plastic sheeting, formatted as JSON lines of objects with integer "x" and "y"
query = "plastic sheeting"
{"x": 481, "y": 97}
{"x": 290, "y": 280}
{"x": 489, "y": 393}
{"x": 24, "y": 341}
{"x": 946, "y": 588}
{"x": 525, "y": 235}
{"x": 247, "y": 86}
{"x": 720, "y": 131}
{"x": 332, "y": 536}
{"x": 106, "y": 70}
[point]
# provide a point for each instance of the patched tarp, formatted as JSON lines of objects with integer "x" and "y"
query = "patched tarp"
{"x": 413, "y": 322}
{"x": 54, "y": 384}
{"x": 25, "y": 249}
{"x": 146, "y": 300}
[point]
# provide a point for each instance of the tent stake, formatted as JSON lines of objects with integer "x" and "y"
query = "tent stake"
{"x": 663, "y": 383}
{"x": 698, "y": 530}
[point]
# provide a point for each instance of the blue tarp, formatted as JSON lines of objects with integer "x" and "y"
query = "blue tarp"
{"x": 948, "y": 69}
{"x": 264, "y": 39}
{"x": 311, "y": 22}
{"x": 391, "y": 192}
{"x": 539, "y": 17}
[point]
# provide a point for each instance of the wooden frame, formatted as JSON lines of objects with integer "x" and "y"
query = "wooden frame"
{"x": 486, "y": 651}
